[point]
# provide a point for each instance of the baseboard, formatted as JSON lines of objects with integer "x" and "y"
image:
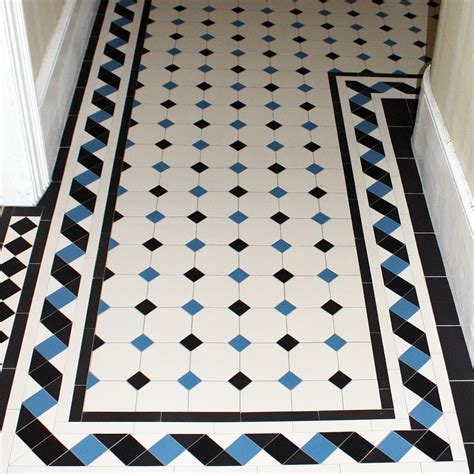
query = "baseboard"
{"x": 450, "y": 204}
{"x": 60, "y": 69}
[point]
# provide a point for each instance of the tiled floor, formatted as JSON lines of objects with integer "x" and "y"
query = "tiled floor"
{"x": 234, "y": 265}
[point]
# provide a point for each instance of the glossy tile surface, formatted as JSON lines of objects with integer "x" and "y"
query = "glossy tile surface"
{"x": 232, "y": 274}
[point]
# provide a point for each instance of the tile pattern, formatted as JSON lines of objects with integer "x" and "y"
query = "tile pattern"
{"x": 41, "y": 444}
{"x": 14, "y": 260}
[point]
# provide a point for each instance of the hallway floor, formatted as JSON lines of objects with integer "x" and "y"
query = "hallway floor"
{"x": 234, "y": 264}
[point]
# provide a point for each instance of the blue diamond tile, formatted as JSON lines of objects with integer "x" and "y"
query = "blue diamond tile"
{"x": 88, "y": 449}
{"x": 363, "y": 56}
{"x": 379, "y": 189}
{"x": 192, "y": 307}
{"x": 278, "y": 192}
{"x": 177, "y": 22}
{"x": 305, "y": 88}
{"x": 285, "y": 307}
{"x": 414, "y": 358}
{"x": 382, "y": 86}
{"x": 238, "y": 275}
{"x": 404, "y": 308}
{"x": 297, "y": 25}
{"x": 238, "y": 124}
{"x": 238, "y": 217}
{"x": 166, "y": 123}
{"x": 268, "y": 38}
{"x": 93, "y": 145}
{"x": 335, "y": 342}
{"x": 161, "y": 166}
{"x": 360, "y": 99}
{"x": 320, "y": 218}
{"x": 237, "y": 86}
{"x": 40, "y": 402}
{"x": 170, "y": 85}
{"x": 414, "y": 29}
{"x": 149, "y": 274}
{"x": 319, "y": 448}
{"x": 237, "y": 53}
{"x": 395, "y": 264}
{"x": 390, "y": 42}
{"x": 272, "y": 105}
{"x": 357, "y": 27}
{"x": 243, "y": 449}
{"x": 239, "y": 343}
{"x": 275, "y": 146}
{"x": 202, "y": 104}
{"x": 238, "y": 167}
{"x": 205, "y": 68}
{"x": 155, "y": 216}
{"x": 372, "y": 156}
{"x": 189, "y": 380}
{"x": 266, "y": 10}
{"x": 387, "y": 225}
{"x": 238, "y": 23}
{"x": 200, "y": 144}
{"x": 301, "y": 54}
{"x": 195, "y": 245}
{"x": 61, "y": 297}
{"x": 329, "y": 40}
{"x": 209, "y": 9}
{"x": 290, "y": 380}
{"x": 281, "y": 245}
{"x": 198, "y": 191}
{"x": 270, "y": 70}
{"x": 91, "y": 380}
{"x": 142, "y": 342}
{"x": 314, "y": 168}
{"x": 327, "y": 275}
{"x": 324, "y": 12}
{"x": 394, "y": 446}
{"x": 309, "y": 125}
{"x": 166, "y": 450}
{"x": 50, "y": 347}
{"x": 426, "y": 414}
{"x": 207, "y": 37}
{"x": 382, "y": 14}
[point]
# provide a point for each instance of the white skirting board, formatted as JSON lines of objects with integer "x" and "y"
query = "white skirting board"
{"x": 60, "y": 69}
{"x": 450, "y": 204}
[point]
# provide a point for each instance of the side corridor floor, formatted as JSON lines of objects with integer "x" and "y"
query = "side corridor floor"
{"x": 234, "y": 268}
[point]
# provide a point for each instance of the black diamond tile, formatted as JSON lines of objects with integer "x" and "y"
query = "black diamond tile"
{"x": 410, "y": 15}
{"x": 385, "y": 28}
{"x": 324, "y": 245}
{"x": 331, "y": 307}
{"x": 138, "y": 380}
{"x": 340, "y": 379}
{"x": 299, "y": 39}
{"x": 287, "y": 342}
{"x": 311, "y": 146}
{"x": 237, "y": 105}
{"x": 238, "y": 145}
{"x": 199, "y": 167}
{"x": 353, "y": 13}
{"x": 238, "y": 10}
{"x": 276, "y": 168}
{"x": 317, "y": 192}
{"x": 327, "y": 26}
{"x": 238, "y": 191}
{"x": 360, "y": 41}
{"x": 180, "y": 8}
{"x": 332, "y": 56}
{"x": 273, "y": 125}
{"x": 239, "y": 381}
{"x": 279, "y": 217}
{"x": 295, "y": 11}
{"x": 207, "y": 22}
{"x": 238, "y": 69}
{"x": 167, "y": 104}
{"x": 239, "y": 307}
{"x": 303, "y": 71}
{"x": 238, "y": 245}
{"x": 158, "y": 191}
{"x": 152, "y": 244}
{"x": 196, "y": 217}
{"x": 145, "y": 307}
{"x": 194, "y": 274}
{"x": 8, "y": 288}
{"x": 201, "y": 124}
{"x": 163, "y": 144}
{"x": 204, "y": 86}
{"x": 269, "y": 54}
{"x": 5, "y": 311}
{"x": 23, "y": 226}
{"x": 12, "y": 267}
{"x": 3, "y": 337}
{"x": 432, "y": 445}
{"x": 394, "y": 57}
{"x": 176, "y": 36}
{"x": 283, "y": 275}
{"x": 191, "y": 342}
{"x": 307, "y": 106}
{"x": 271, "y": 87}
{"x": 267, "y": 24}
{"x": 206, "y": 52}
{"x": 17, "y": 246}
{"x": 420, "y": 44}
{"x": 238, "y": 37}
